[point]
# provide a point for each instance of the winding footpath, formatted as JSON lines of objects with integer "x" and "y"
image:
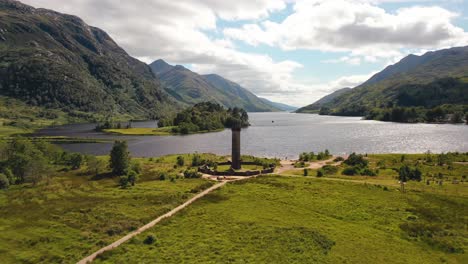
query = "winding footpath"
{"x": 140, "y": 230}
{"x": 285, "y": 166}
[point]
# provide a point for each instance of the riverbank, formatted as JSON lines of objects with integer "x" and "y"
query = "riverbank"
{"x": 147, "y": 131}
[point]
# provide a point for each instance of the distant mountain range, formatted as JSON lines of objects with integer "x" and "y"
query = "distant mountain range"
{"x": 315, "y": 107}
{"x": 190, "y": 88}
{"x": 409, "y": 90}
{"x": 66, "y": 68}
{"x": 57, "y": 61}
{"x": 280, "y": 106}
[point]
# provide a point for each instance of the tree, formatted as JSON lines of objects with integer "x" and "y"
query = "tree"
{"x": 356, "y": 160}
{"x": 76, "y": 160}
{"x": 119, "y": 158}
{"x": 94, "y": 164}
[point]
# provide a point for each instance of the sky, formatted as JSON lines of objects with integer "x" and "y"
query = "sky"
{"x": 289, "y": 51}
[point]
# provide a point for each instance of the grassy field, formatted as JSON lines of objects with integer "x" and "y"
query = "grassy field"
{"x": 270, "y": 219}
{"x": 274, "y": 219}
{"x": 73, "y": 214}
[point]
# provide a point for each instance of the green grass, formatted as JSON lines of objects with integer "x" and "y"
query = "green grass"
{"x": 72, "y": 214}
{"x": 275, "y": 219}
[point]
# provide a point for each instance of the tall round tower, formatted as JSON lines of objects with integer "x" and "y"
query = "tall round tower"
{"x": 236, "y": 156}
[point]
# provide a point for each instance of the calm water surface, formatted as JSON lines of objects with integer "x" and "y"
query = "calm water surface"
{"x": 285, "y": 135}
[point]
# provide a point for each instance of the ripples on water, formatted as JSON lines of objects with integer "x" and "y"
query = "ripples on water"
{"x": 287, "y": 136}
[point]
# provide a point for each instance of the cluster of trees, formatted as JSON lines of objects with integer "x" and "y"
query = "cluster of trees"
{"x": 439, "y": 114}
{"x": 25, "y": 161}
{"x": 310, "y": 156}
{"x": 406, "y": 173}
{"x": 108, "y": 124}
{"x": 206, "y": 116}
{"x": 357, "y": 165}
{"x": 444, "y": 100}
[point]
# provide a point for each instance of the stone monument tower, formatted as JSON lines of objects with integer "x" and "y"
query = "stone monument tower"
{"x": 236, "y": 156}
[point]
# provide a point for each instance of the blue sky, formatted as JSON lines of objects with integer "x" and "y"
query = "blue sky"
{"x": 290, "y": 51}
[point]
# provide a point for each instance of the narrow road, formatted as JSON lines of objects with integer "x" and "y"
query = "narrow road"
{"x": 140, "y": 230}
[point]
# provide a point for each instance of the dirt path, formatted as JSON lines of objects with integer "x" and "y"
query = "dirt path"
{"x": 124, "y": 239}
{"x": 287, "y": 165}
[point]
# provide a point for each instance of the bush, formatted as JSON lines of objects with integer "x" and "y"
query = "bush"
{"x": 338, "y": 159}
{"x": 409, "y": 174}
{"x": 123, "y": 182}
{"x": 136, "y": 167}
{"x": 350, "y": 171}
{"x": 192, "y": 174}
{"x": 368, "y": 172}
{"x": 356, "y": 160}
{"x": 162, "y": 177}
{"x": 306, "y": 172}
{"x": 132, "y": 177}
{"x": 197, "y": 160}
{"x": 76, "y": 160}
{"x": 320, "y": 173}
{"x": 329, "y": 169}
{"x": 149, "y": 240}
{"x": 180, "y": 161}
{"x": 4, "y": 182}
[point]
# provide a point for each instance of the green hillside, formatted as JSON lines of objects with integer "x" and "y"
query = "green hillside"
{"x": 56, "y": 61}
{"x": 315, "y": 107}
{"x": 428, "y": 88}
{"x": 190, "y": 88}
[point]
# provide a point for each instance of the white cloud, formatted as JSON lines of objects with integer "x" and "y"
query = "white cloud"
{"x": 183, "y": 32}
{"x": 176, "y": 32}
{"x": 358, "y": 27}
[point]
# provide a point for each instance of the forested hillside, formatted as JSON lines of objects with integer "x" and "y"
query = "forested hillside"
{"x": 428, "y": 88}
{"x": 56, "y": 61}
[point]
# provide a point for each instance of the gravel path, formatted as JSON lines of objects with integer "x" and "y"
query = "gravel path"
{"x": 124, "y": 239}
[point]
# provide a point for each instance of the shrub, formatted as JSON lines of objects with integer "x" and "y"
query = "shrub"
{"x": 4, "y": 182}
{"x": 132, "y": 177}
{"x": 123, "y": 182}
{"x": 350, "y": 171}
{"x": 320, "y": 173}
{"x": 192, "y": 174}
{"x": 76, "y": 160}
{"x": 149, "y": 240}
{"x": 197, "y": 160}
{"x": 136, "y": 167}
{"x": 406, "y": 173}
{"x": 162, "y": 177}
{"x": 329, "y": 169}
{"x": 368, "y": 172}
{"x": 356, "y": 160}
{"x": 338, "y": 159}
{"x": 180, "y": 161}
{"x": 306, "y": 172}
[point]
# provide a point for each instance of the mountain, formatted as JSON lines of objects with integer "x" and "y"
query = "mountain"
{"x": 57, "y": 61}
{"x": 315, "y": 107}
{"x": 411, "y": 90}
{"x": 280, "y": 106}
{"x": 190, "y": 88}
